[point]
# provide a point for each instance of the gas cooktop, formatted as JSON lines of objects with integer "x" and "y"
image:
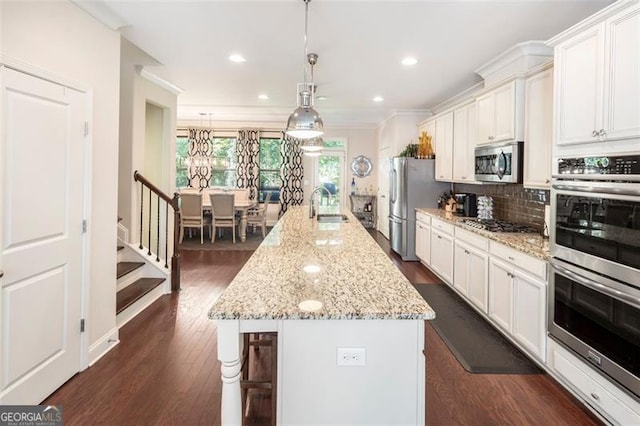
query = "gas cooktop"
{"x": 500, "y": 226}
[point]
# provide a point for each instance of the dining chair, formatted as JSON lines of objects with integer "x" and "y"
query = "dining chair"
{"x": 223, "y": 213}
{"x": 242, "y": 194}
{"x": 258, "y": 215}
{"x": 191, "y": 215}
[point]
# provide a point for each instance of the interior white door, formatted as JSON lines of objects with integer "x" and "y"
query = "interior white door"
{"x": 41, "y": 240}
{"x": 384, "y": 156}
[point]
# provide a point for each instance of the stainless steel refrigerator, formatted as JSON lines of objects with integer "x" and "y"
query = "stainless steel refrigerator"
{"x": 412, "y": 185}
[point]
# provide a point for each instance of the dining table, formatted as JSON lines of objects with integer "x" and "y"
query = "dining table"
{"x": 241, "y": 205}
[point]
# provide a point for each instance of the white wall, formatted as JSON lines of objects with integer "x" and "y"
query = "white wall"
{"x": 62, "y": 39}
{"x": 136, "y": 93}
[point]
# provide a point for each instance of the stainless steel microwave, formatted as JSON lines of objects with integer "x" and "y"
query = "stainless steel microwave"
{"x": 500, "y": 162}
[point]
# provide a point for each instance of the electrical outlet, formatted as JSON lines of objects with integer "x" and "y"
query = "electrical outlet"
{"x": 352, "y": 356}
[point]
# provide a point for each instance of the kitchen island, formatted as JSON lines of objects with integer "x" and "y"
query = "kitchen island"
{"x": 324, "y": 287}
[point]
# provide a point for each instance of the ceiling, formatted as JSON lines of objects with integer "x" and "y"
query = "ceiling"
{"x": 360, "y": 46}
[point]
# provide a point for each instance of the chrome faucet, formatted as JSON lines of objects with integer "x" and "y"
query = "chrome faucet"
{"x": 312, "y": 211}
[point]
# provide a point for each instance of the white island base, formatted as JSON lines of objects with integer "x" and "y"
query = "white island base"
{"x": 313, "y": 389}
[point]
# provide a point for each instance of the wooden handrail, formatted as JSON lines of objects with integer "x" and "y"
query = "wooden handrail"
{"x": 139, "y": 178}
{"x": 175, "y": 205}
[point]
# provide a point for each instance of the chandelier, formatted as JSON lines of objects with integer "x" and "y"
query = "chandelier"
{"x": 305, "y": 122}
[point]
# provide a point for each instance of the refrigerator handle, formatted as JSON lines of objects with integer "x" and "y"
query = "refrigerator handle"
{"x": 394, "y": 183}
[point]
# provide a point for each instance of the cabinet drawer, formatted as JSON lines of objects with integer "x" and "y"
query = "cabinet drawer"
{"x": 594, "y": 393}
{"x": 423, "y": 217}
{"x": 535, "y": 266}
{"x": 472, "y": 239}
{"x": 443, "y": 226}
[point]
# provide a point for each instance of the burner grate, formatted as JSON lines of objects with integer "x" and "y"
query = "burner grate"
{"x": 500, "y": 226}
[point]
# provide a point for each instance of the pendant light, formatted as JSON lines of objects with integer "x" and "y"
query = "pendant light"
{"x": 305, "y": 122}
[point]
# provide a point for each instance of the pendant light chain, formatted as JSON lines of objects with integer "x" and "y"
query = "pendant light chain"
{"x": 306, "y": 27}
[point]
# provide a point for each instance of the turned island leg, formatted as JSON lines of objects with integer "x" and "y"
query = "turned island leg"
{"x": 229, "y": 354}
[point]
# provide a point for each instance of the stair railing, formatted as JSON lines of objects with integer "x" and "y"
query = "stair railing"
{"x": 161, "y": 200}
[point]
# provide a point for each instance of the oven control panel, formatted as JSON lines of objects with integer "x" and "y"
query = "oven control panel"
{"x": 602, "y": 165}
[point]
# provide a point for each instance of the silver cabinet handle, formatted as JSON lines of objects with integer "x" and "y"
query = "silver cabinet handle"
{"x": 511, "y": 258}
{"x": 602, "y": 132}
{"x": 490, "y": 138}
{"x": 595, "y": 396}
{"x": 1, "y": 273}
{"x": 547, "y": 181}
{"x": 509, "y": 274}
{"x": 594, "y": 133}
{"x": 466, "y": 251}
{"x": 439, "y": 237}
{"x": 464, "y": 177}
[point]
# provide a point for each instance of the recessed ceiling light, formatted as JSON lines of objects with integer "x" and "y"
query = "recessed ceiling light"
{"x": 321, "y": 98}
{"x": 378, "y": 99}
{"x": 237, "y": 58}
{"x": 409, "y": 60}
{"x": 263, "y": 97}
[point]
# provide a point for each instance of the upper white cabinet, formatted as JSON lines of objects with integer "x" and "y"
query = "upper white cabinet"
{"x": 444, "y": 146}
{"x": 597, "y": 95}
{"x": 500, "y": 113}
{"x": 538, "y": 130}
{"x": 464, "y": 142}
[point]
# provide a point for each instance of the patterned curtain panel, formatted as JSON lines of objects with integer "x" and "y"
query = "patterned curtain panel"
{"x": 199, "y": 152}
{"x": 291, "y": 173}
{"x": 248, "y": 152}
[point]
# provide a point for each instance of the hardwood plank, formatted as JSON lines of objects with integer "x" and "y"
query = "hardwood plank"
{"x": 165, "y": 370}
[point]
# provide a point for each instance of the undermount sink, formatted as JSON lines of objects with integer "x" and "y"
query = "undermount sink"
{"x": 332, "y": 218}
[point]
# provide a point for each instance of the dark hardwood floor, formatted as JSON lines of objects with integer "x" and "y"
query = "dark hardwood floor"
{"x": 165, "y": 371}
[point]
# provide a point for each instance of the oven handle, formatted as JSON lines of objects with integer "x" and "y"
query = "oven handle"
{"x": 616, "y": 294}
{"x": 599, "y": 188}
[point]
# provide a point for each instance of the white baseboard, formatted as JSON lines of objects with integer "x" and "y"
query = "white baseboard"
{"x": 103, "y": 345}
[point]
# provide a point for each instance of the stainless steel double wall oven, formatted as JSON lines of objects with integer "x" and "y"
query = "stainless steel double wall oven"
{"x": 594, "y": 300}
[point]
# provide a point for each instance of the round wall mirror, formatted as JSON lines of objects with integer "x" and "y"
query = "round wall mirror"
{"x": 361, "y": 166}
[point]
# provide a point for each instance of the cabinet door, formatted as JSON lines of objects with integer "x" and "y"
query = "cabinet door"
{"x": 578, "y": 75}
{"x": 485, "y": 118}
{"x": 530, "y": 307}
{"x": 622, "y": 81}
{"x": 501, "y": 294}
{"x": 478, "y": 281}
{"x": 423, "y": 243}
{"x": 444, "y": 147}
{"x": 464, "y": 142}
{"x": 384, "y": 158}
{"x": 461, "y": 269}
{"x": 504, "y": 113}
{"x": 442, "y": 255}
{"x": 538, "y": 130}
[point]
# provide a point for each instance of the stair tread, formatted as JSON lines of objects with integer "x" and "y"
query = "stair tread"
{"x": 120, "y": 248}
{"x": 128, "y": 295}
{"x": 125, "y": 267}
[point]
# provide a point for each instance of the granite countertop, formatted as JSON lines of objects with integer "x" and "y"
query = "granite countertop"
{"x": 531, "y": 244}
{"x": 309, "y": 270}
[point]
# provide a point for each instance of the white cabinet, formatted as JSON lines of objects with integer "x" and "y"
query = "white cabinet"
{"x": 442, "y": 254}
{"x": 518, "y": 297}
{"x": 538, "y": 130}
{"x": 464, "y": 142}
{"x": 501, "y": 294}
{"x": 500, "y": 113}
{"x": 589, "y": 386}
{"x": 444, "y": 146}
{"x": 423, "y": 238}
{"x": 471, "y": 267}
{"x": 596, "y": 72}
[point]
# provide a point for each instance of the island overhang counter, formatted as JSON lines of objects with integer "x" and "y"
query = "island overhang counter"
{"x": 324, "y": 287}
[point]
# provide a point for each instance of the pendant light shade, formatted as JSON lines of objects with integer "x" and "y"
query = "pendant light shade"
{"x": 312, "y": 145}
{"x": 305, "y": 122}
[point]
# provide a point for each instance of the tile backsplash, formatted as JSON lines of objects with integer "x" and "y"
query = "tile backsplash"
{"x": 512, "y": 202}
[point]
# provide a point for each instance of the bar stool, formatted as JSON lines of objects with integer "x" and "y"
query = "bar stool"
{"x": 270, "y": 384}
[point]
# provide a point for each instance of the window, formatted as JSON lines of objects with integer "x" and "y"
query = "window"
{"x": 223, "y": 162}
{"x": 269, "y": 169}
{"x": 182, "y": 153}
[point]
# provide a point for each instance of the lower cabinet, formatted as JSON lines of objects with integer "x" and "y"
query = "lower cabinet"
{"x": 423, "y": 242}
{"x": 442, "y": 255}
{"x": 517, "y": 303}
{"x": 470, "y": 275}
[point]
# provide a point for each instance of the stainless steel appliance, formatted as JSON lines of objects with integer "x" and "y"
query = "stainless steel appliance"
{"x": 499, "y": 162}
{"x": 412, "y": 185}
{"x": 466, "y": 205}
{"x": 594, "y": 283}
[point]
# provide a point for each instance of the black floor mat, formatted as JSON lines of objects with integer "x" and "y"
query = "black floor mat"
{"x": 475, "y": 343}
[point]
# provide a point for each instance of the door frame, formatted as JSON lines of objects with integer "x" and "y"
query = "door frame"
{"x": 37, "y": 72}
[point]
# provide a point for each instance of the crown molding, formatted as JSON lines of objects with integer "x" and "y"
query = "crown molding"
{"x": 102, "y": 13}
{"x": 172, "y": 88}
